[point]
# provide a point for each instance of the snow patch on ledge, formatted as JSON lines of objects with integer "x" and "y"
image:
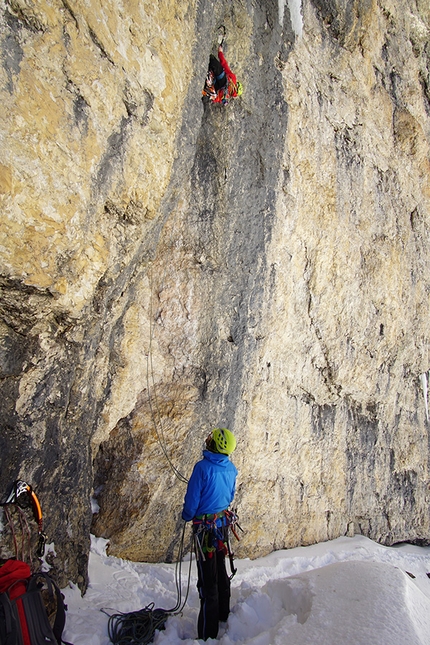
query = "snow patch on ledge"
{"x": 295, "y": 7}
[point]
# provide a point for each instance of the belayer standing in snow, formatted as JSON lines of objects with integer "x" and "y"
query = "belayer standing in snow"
{"x": 209, "y": 493}
{"x": 221, "y": 84}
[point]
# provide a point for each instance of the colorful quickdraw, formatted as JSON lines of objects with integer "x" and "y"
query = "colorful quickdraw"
{"x": 211, "y": 533}
{"x": 19, "y": 489}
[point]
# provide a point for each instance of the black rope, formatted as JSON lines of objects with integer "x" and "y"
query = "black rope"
{"x": 138, "y": 627}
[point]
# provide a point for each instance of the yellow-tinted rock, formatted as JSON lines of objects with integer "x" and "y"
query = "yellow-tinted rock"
{"x": 168, "y": 267}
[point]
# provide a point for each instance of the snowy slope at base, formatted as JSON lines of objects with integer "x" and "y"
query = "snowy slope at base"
{"x": 349, "y": 590}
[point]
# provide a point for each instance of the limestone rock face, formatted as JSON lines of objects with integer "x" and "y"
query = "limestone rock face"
{"x": 92, "y": 98}
{"x": 168, "y": 266}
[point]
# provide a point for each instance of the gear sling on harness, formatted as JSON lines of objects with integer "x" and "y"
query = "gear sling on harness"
{"x": 212, "y": 544}
{"x": 211, "y": 533}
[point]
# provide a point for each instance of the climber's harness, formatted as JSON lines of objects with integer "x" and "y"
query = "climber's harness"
{"x": 212, "y": 533}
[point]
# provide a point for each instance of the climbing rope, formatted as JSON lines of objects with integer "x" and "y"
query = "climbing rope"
{"x": 152, "y": 397}
{"x": 138, "y": 627}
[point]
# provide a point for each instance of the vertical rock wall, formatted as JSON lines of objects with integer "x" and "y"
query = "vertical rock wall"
{"x": 351, "y": 279}
{"x": 92, "y": 95}
{"x": 301, "y": 271}
{"x": 168, "y": 267}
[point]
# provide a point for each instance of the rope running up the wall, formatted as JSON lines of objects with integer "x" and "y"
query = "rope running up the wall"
{"x": 152, "y": 398}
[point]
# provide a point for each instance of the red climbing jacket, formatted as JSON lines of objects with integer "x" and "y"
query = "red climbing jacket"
{"x": 230, "y": 89}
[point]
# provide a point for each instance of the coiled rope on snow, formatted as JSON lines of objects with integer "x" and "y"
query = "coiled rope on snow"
{"x": 138, "y": 627}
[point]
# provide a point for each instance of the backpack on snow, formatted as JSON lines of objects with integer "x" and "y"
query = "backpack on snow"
{"x": 32, "y": 609}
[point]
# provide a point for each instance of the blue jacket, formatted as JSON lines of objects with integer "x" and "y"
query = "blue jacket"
{"x": 211, "y": 486}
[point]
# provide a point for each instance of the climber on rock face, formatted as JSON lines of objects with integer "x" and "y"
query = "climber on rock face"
{"x": 221, "y": 84}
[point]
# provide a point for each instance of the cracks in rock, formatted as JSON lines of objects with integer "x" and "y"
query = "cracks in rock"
{"x": 203, "y": 380}
{"x": 113, "y": 156}
{"x": 424, "y": 79}
{"x": 347, "y": 143}
{"x": 22, "y": 306}
{"x": 323, "y": 419}
{"x": 363, "y": 453}
{"x": 70, "y": 11}
{"x": 327, "y": 372}
{"x": 13, "y": 52}
{"x": 26, "y": 17}
{"x": 138, "y": 105}
{"x": 97, "y": 42}
{"x": 132, "y": 213}
{"x": 80, "y": 106}
{"x": 307, "y": 397}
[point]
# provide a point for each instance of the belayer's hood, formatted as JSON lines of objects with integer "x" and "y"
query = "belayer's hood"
{"x": 216, "y": 457}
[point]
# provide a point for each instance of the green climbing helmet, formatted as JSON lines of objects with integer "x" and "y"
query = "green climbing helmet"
{"x": 239, "y": 88}
{"x": 224, "y": 440}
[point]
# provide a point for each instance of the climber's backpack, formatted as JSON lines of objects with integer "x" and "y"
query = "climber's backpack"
{"x": 32, "y": 609}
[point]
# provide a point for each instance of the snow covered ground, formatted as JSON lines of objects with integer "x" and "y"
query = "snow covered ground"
{"x": 348, "y": 591}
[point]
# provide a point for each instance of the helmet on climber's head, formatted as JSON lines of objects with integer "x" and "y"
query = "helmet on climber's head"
{"x": 239, "y": 88}
{"x": 221, "y": 440}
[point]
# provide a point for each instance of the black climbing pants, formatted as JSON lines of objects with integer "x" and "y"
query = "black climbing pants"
{"x": 214, "y": 590}
{"x": 217, "y": 69}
